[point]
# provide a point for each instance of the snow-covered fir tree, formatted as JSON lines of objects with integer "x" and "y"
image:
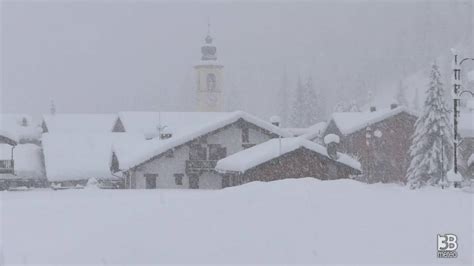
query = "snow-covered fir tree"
{"x": 340, "y": 107}
{"x": 401, "y": 97}
{"x": 282, "y": 98}
{"x": 431, "y": 150}
{"x": 295, "y": 112}
{"x": 320, "y": 105}
{"x": 310, "y": 108}
{"x": 304, "y": 110}
{"x": 343, "y": 106}
{"x": 370, "y": 98}
{"x": 416, "y": 101}
{"x": 353, "y": 107}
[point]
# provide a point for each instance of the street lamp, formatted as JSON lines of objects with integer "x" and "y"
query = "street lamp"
{"x": 457, "y": 93}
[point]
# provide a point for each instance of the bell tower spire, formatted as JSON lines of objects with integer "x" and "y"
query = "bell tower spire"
{"x": 209, "y": 77}
{"x": 208, "y": 26}
{"x": 208, "y": 50}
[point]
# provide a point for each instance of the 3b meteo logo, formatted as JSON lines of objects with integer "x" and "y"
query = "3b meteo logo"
{"x": 447, "y": 245}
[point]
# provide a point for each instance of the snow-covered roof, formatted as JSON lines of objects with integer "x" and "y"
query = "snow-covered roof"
{"x": 350, "y": 122}
{"x": 315, "y": 131}
{"x": 18, "y": 127}
{"x": 297, "y": 131}
{"x": 181, "y": 123}
{"x": 27, "y": 157}
{"x": 275, "y": 119}
{"x": 331, "y": 138}
{"x": 466, "y": 124}
{"x": 76, "y": 156}
{"x": 186, "y": 127}
{"x": 70, "y": 123}
{"x": 261, "y": 153}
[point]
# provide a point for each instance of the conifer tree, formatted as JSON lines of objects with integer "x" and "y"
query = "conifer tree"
{"x": 416, "y": 101}
{"x": 305, "y": 107}
{"x": 340, "y": 107}
{"x": 353, "y": 107}
{"x": 343, "y": 106}
{"x": 283, "y": 99}
{"x": 431, "y": 150}
{"x": 296, "y": 119}
{"x": 400, "y": 97}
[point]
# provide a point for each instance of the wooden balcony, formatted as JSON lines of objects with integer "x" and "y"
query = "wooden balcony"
{"x": 199, "y": 166}
{"x": 6, "y": 166}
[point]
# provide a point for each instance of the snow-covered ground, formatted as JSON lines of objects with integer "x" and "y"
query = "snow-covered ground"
{"x": 288, "y": 221}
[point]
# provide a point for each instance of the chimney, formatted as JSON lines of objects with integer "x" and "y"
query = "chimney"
{"x": 275, "y": 120}
{"x": 332, "y": 150}
{"x": 373, "y": 109}
{"x": 332, "y": 143}
{"x": 393, "y": 106}
{"x": 166, "y": 133}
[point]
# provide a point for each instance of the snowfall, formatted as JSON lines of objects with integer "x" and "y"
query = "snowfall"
{"x": 289, "y": 221}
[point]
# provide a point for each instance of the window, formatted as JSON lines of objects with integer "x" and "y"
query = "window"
{"x": 198, "y": 153}
{"x": 211, "y": 82}
{"x": 178, "y": 179}
{"x": 150, "y": 181}
{"x": 216, "y": 152}
{"x": 245, "y": 135}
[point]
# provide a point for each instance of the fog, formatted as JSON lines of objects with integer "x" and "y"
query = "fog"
{"x": 106, "y": 56}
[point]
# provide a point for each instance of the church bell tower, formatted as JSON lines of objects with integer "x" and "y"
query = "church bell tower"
{"x": 209, "y": 78}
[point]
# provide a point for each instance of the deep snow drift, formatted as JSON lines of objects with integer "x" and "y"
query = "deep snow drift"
{"x": 288, "y": 221}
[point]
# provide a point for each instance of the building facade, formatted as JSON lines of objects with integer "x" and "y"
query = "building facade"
{"x": 286, "y": 158}
{"x": 188, "y": 161}
{"x": 380, "y": 139}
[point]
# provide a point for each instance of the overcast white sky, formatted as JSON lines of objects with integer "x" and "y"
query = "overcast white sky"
{"x": 107, "y": 56}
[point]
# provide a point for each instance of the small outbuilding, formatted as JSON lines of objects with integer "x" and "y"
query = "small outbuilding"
{"x": 286, "y": 158}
